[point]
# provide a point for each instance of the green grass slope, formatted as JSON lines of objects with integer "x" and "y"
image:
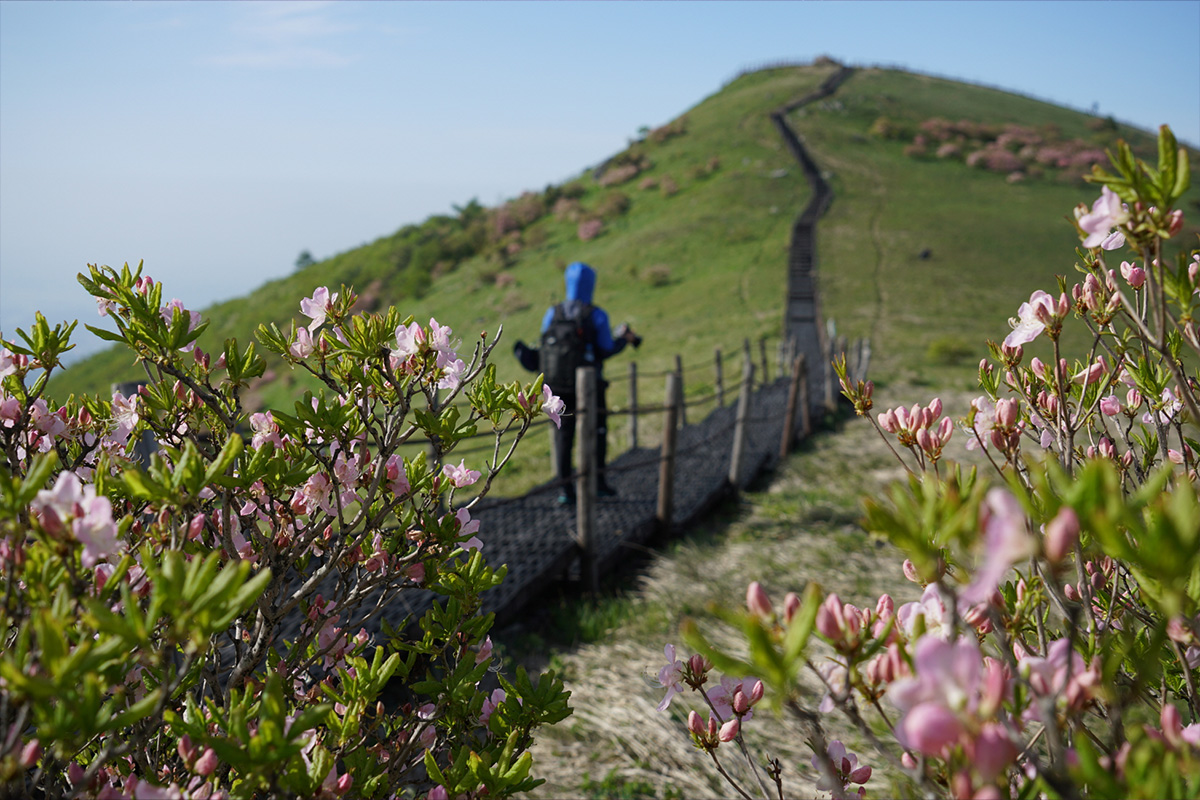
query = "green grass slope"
{"x": 693, "y": 248}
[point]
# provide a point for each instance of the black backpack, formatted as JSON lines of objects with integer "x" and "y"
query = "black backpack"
{"x": 564, "y": 345}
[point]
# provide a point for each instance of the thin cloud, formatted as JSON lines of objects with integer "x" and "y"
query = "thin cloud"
{"x": 286, "y": 35}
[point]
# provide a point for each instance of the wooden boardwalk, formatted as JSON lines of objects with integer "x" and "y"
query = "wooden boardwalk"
{"x": 535, "y": 536}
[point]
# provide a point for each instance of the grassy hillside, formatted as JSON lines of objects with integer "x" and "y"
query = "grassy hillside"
{"x": 692, "y": 251}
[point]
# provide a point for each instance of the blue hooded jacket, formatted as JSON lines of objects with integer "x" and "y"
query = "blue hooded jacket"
{"x": 581, "y": 284}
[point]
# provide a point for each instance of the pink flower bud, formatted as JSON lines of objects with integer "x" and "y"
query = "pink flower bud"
{"x": 945, "y": 430}
{"x": 344, "y": 783}
{"x": 887, "y": 421}
{"x": 1038, "y": 367}
{"x": 1062, "y": 533}
{"x": 30, "y": 753}
{"x": 935, "y": 407}
{"x": 1110, "y": 406}
{"x": 791, "y": 604}
{"x": 1006, "y": 412}
{"x": 925, "y": 440}
{"x": 1175, "y": 222}
{"x": 187, "y": 751}
{"x": 757, "y": 600}
{"x": 206, "y": 763}
{"x": 756, "y": 691}
{"x": 830, "y": 620}
{"x": 729, "y": 731}
{"x": 740, "y": 703}
{"x": 695, "y": 724}
{"x": 910, "y": 571}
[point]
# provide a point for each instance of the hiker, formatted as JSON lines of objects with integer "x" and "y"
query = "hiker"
{"x": 575, "y": 334}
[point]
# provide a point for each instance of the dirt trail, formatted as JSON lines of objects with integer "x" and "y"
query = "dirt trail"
{"x": 801, "y": 527}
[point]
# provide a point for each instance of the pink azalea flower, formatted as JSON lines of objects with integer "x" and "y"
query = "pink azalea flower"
{"x": 452, "y": 374}
{"x": 951, "y": 681}
{"x": 490, "y": 704}
{"x": 1032, "y": 318}
{"x": 670, "y": 677}
{"x": 95, "y": 528}
{"x": 846, "y": 769}
{"x": 303, "y": 346}
{"x": 397, "y": 478}
{"x": 468, "y": 527}
{"x": 553, "y": 406}
{"x": 408, "y": 342}
{"x": 317, "y": 306}
{"x": 1107, "y": 213}
{"x": 460, "y": 476}
{"x": 7, "y": 366}
{"x": 932, "y": 608}
{"x": 1006, "y": 541}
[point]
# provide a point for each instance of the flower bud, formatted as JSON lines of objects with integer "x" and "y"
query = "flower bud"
{"x": 1174, "y": 222}
{"x": 187, "y": 751}
{"x": 695, "y": 724}
{"x": 740, "y": 703}
{"x": 791, "y": 604}
{"x": 757, "y": 600}
{"x": 756, "y": 691}
{"x": 1062, "y": 533}
{"x": 935, "y": 407}
{"x": 887, "y": 421}
{"x": 30, "y": 753}
{"x": 910, "y": 571}
{"x": 729, "y": 731}
{"x": 344, "y": 783}
{"x": 207, "y": 763}
{"x": 1006, "y": 412}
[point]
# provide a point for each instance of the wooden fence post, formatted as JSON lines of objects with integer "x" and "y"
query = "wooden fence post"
{"x": 762, "y": 352}
{"x": 720, "y": 379}
{"x": 739, "y": 428}
{"x": 585, "y": 481}
{"x": 633, "y": 406}
{"x": 781, "y": 359}
{"x": 666, "y": 464}
{"x": 147, "y": 445}
{"x": 679, "y": 388}
{"x": 747, "y": 358}
{"x": 828, "y": 378}
{"x": 789, "y": 421}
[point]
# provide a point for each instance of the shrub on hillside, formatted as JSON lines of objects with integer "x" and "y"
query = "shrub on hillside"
{"x": 589, "y": 229}
{"x": 668, "y": 186}
{"x": 567, "y": 209}
{"x": 648, "y": 183}
{"x": 612, "y": 205}
{"x": 676, "y": 127}
{"x": 615, "y": 176}
{"x": 191, "y": 623}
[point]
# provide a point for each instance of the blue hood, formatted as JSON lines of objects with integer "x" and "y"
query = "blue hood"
{"x": 581, "y": 282}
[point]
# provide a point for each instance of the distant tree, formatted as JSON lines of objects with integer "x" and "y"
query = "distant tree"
{"x": 304, "y": 260}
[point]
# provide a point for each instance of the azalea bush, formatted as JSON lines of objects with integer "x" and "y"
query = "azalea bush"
{"x": 205, "y": 619}
{"x": 1053, "y": 652}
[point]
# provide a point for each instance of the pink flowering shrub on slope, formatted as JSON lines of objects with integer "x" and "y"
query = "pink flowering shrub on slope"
{"x": 1055, "y": 648}
{"x": 194, "y": 626}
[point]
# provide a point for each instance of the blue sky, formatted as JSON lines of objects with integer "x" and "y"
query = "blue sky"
{"x": 217, "y": 140}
